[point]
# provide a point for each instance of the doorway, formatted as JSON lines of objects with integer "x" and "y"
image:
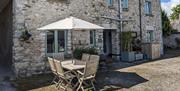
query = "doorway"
{"x": 107, "y": 38}
{"x": 6, "y": 33}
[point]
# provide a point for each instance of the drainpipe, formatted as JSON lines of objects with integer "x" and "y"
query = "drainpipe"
{"x": 120, "y": 25}
{"x": 162, "y": 46}
{"x": 140, "y": 19}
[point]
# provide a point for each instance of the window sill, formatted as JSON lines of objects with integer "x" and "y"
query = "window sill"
{"x": 125, "y": 9}
{"x": 111, "y": 7}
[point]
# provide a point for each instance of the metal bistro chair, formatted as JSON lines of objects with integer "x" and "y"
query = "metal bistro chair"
{"x": 65, "y": 78}
{"x": 53, "y": 69}
{"x": 89, "y": 73}
{"x": 84, "y": 59}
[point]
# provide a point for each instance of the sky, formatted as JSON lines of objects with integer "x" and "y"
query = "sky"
{"x": 167, "y": 5}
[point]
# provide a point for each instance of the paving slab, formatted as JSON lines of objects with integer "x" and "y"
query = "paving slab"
{"x": 5, "y": 75}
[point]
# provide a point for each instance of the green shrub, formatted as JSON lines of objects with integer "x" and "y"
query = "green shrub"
{"x": 77, "y": 53}
{"x": 127, "y": 40}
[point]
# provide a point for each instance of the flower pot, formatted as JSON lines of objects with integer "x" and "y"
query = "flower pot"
{"x": 128, "y": 56}
{"x": 138, "y": 56}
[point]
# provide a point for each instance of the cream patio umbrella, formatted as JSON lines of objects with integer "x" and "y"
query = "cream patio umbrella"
{"x": 71, "y": 23}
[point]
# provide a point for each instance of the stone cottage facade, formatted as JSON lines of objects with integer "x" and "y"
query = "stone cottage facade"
{"x": 29, "y": 57}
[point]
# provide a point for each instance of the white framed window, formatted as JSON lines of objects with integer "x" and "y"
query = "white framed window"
{"x": 56, "y": 41}
{"x": 148, "y": 7}
{"x": 92, "y": 38}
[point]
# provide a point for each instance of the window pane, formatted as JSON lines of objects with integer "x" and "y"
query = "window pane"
{"x": 147, "y": 7}
{"x": 61, "y": 41}
{"x": 50, "y": 42}
{"x": 110, "y": 2}
{"x": 124, "y": 4}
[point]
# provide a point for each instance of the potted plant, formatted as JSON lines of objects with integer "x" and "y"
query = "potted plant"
{"x": 78, "y": 52}
{"x": 127, "y": 54}
{"x": 25, "y": 35}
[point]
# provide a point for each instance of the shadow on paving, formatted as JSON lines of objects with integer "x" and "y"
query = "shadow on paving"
{"x": 33, "y": 82}
{"x": 115, "y": 80}
{"x": 171, "y": 53}
{"x": 109, "y": 80}
{"x": 5, "y": 75}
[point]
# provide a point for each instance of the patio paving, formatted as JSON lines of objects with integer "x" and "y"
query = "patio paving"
{"x": 157, "y": 75}
{"x": 5, "y": 75}
{"x": 160, "y": 75}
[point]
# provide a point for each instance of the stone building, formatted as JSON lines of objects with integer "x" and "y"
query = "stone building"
{"x": 28, "y": 57}
{"x": 175, "y": 24}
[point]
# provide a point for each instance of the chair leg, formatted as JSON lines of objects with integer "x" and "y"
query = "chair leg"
{"x": 93, "y": 85}
{"x": 82, "y": 88}
{"x": 80, "y": 85}
{"x": 66, "y": 87}
{"x": 59, "y": 83}
{"x": 54, "y": 80}
{"x": 85, "y": 83}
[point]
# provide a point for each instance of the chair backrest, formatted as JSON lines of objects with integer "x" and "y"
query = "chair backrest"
{"x": 58, "y": 56}
{"x": 85, "y": 57}
{"x": 59, "y": 68}
{"x": 52, "y": 64}
{"x": 91, "y": 66}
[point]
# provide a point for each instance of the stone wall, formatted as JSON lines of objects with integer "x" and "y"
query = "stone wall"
{"x": 81, "y": 38}
{"x": 176, "y": 24}
{"x": 133, "y": 15}
{"x": 116, "y": 45}
{"x": 29, "y": 57}
{"x": 153, "y": 21}
{"x": 172, "y": 41}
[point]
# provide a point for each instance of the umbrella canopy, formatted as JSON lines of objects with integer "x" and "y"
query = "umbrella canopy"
{"x": 71, "y": 23}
